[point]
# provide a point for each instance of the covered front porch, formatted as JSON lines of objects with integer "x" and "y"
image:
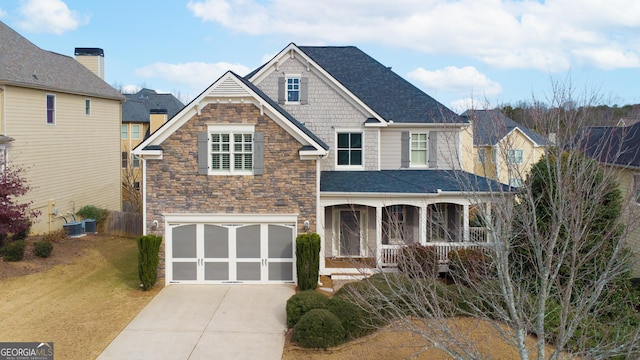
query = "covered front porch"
{"x": 365, "y": 218}
{"x": 367, "y": 234}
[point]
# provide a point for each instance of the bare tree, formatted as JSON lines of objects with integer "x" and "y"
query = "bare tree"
{"x": 556, "y": 266}
{"x": 131, "y": 183}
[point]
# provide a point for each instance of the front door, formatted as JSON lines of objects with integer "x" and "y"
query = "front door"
{"x": 350, "y": 233}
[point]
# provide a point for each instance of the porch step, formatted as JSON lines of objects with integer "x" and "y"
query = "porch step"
{"x": 348, "y": 276}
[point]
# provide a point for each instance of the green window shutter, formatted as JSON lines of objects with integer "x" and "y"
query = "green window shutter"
{"x": 405, "y": 158}
{"x": 433, "y": 149}
{"x": 304, "y": 90}
{"x": 203, "y": 153}
{"x": 258, "y": 153}
{"x": 281, "y": 90}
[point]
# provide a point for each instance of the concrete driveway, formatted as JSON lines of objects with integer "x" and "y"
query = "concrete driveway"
{"x": 207, "y": 322}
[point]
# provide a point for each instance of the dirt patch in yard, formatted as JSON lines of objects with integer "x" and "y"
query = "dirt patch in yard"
{"x": 80, "y": 298}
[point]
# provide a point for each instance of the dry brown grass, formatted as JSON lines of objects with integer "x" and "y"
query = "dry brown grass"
{"x": 80, "y": 298}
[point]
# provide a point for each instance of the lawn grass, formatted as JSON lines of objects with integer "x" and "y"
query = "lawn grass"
{"x": 80, "y": 306}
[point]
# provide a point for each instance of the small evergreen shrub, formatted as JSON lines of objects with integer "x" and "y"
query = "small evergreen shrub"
{"x": 148, "y": 250}
{"x": 418, "y": 261}
{"x": 22, "y": 234}
{"x": 42, "y": 249}
{"x": 308, "y": 260}
{"x": 14, "y": 251}
{"x": 302, "y": 302}
{"x": 319, "y": 328}
{"x": 355, "y": 321}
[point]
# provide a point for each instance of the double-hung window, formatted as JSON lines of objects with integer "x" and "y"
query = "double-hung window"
{"x": 124, "y": 129}
{"x": 419, "y": 149}
{"x": 293, "y": 89}
{"x": 125, "y": 159}
{"x": 51, "y": 109}
{"x": 87, "y": 107}
{"x": 515, "y": 157}
{"x": 135, "y": 131}
{"x": 482, "y": 155}
{"x": 349, "y": 149}
{"x": 636, "y": 187}
{"x": 231, "y": 152}
{"x": 515, "y": 182}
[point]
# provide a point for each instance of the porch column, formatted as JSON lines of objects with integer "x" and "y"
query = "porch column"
{"x": 465, "y": 223}
{"x": 423, "y": 224}
{"x": 320, "y": 224}
{"x": 378, "y": 234}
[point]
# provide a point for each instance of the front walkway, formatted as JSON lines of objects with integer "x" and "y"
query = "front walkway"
{"x": 207, "y": 322}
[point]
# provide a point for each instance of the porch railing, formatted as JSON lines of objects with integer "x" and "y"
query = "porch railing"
{"x": 391, "y": 253}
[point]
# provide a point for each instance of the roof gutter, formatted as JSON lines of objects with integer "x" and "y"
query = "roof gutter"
{"x": 120, "y": 97}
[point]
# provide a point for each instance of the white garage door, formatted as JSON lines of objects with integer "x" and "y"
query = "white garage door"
{"x": 222, "y": 253}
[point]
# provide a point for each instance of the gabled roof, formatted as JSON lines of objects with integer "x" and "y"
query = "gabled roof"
{"x": 615, "y": 145}
{"x": 24, "y": 64}
{"x": 491, "y": 126}
{"x": 230, "y": 85}
{"x": 139, "y": 105}
{"x": 375, "y": 85}
{"x": 406, "y": 182}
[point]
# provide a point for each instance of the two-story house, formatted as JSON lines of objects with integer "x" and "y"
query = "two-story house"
{"x": 321, "y": 139}
{"x": 142, "y": 113}
{"x": 503, "y": 149}
{"x": 63, "y": 120}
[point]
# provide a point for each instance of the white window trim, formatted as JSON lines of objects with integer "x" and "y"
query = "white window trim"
{"x": 482, "y": 159}
{"x": 288, "y": 76}
{"x": 231, "y": 130}
{"x": 55, "y": 110}
{"x": 349, "y": 167}
{"x": 411, "y": 163}
{"x": 636, "y": 187}
{"x": 126, "y": 126}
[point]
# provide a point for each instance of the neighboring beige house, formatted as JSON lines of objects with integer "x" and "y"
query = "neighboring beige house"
{"x": 142, "y": 114}
{"x": 64, "y": 123}
{"x": 502, "y": 149}
{"x": 619, "y": 147}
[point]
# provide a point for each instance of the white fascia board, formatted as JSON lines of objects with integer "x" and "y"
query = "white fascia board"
{"x": 288, "y": 52}
{"x": 199, "y": 218}
{"x": 149, "y": 154}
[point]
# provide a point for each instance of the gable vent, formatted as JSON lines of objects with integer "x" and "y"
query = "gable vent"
{"x": 228, "y": 88}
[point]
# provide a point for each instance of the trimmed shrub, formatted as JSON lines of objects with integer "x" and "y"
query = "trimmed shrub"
{"x": 308, "y": 260}
{"x": 418, "y": 261}
{"x": 42, "y": 248}
{"x": 355, "y": 321}
{"x": 148, "y": 250}
{"x": 319, "y": 328}
{"x": 14, "y": 251}
{"x": 302, "y": 302}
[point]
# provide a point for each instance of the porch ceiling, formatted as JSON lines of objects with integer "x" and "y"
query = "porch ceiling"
{"x": 407, "y": 182}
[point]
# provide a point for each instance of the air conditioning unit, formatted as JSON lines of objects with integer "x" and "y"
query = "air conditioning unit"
{"x": 73, "y": 228}
{"x": 89, "y": 226}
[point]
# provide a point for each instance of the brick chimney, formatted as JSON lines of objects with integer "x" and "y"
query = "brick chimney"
{"x": 92, "y": 59}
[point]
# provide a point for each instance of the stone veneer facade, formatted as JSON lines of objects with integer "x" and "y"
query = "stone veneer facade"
{"x": 288, "y": 185}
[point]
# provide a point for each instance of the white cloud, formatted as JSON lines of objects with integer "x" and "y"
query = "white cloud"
{"x": 2, "y": 13}
{"x": 525, "y": 34}
{"x": 466, "y": 80}
{"x": 462, "y": 105}
{"x": 52, "y": 16}
{"x": 130, "y": 89}
{"x": 197, "y": 75}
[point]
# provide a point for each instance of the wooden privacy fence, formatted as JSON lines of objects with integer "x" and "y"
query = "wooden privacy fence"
{"x": 126, "y": 224}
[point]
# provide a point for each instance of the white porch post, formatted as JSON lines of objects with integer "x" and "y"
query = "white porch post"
{"x": 320, "y": 225}
{"x": 465, "y": 223}
{"x": 423, "y": 225}
{"x": 378, "y": 234}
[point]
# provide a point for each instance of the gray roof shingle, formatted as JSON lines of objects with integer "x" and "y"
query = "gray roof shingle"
{"x": 24, "y": 64}
{"x": 385, "y": 92}
{"x": 139, "y": 105}
{"x": 406, "y": 182}
{"x": 615, "y": 145}
{"x": 491, "y": 126}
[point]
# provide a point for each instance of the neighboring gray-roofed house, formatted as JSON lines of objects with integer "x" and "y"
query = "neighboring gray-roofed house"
{"x": 64, "y": 121}
{"x": 503, "y": 149}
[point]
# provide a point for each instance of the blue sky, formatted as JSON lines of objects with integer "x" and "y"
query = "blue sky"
{"x": 481, "y": 52}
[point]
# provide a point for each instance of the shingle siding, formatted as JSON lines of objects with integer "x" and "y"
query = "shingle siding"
{"x": 326, "y": 111}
